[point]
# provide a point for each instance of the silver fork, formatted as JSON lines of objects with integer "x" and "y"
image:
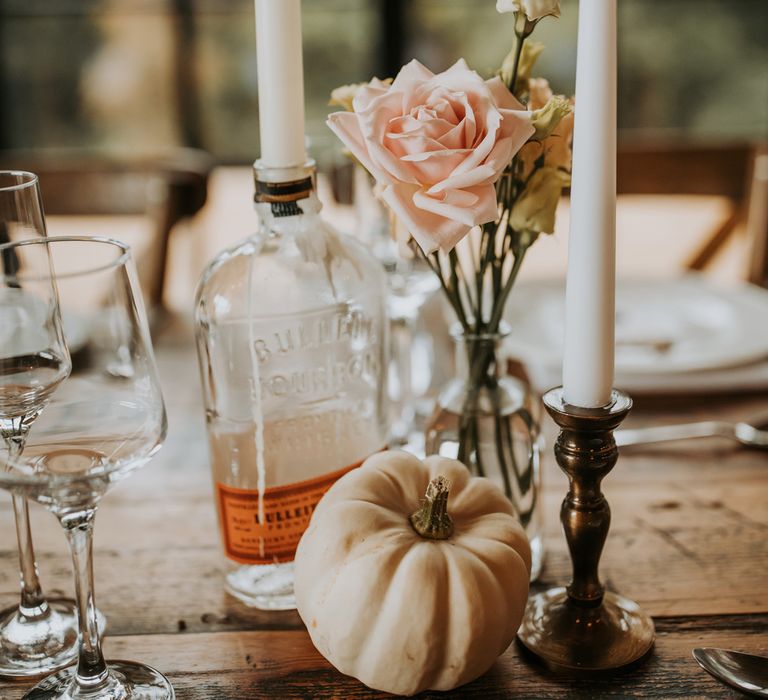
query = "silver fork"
{"x": 745, "y": 433}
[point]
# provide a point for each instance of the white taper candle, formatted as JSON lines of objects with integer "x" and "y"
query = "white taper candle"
{"x": 588, "y": 358}
{"x": 281, "y": 82}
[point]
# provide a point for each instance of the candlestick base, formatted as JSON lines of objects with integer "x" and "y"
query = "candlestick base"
{"x": 568, "y": 636}
{"x": 582, "y": 626}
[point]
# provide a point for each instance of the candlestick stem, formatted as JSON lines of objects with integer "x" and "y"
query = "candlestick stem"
{"x": 582, "y": 626}
{"x": 585, "y": 514}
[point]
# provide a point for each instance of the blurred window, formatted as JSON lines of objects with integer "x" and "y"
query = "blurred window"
{"x": 144, "y": 75}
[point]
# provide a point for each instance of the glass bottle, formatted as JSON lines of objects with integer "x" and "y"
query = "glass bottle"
{"x": 292, "y": 339}
{"x": 488, "y": 419}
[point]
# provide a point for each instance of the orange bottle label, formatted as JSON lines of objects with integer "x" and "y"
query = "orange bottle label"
{"x": 287, "y": 510}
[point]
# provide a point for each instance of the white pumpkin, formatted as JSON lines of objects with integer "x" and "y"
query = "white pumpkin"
{"x": 402, "y": 611}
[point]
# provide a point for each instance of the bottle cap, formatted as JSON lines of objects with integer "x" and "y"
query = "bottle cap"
{"x": 283, "y": 187}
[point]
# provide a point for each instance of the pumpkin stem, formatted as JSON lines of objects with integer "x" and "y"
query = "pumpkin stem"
{"x": 431, "y": 520}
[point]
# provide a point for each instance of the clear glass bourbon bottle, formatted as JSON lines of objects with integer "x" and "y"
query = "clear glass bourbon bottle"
{"x": 291, "y": 336}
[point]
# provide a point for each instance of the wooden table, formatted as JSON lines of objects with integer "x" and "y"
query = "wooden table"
{"x": 689, "y": 542}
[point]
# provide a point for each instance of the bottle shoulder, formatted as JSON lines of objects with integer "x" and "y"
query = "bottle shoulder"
{"x": 305, "y": 265}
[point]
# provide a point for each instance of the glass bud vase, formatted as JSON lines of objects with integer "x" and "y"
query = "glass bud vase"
{"x": 292, "y": 344}
{"x": 487, "y": 419}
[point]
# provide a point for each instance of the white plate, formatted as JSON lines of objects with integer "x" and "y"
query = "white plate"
{"x": 663, "y": 326}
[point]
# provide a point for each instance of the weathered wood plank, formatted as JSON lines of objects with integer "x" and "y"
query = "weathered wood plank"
{"x": 688, "y": 547}
{"x": 284, "y": 664}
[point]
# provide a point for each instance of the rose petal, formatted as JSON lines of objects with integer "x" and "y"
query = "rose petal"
{"x": 436, "y": 166}
{"x": 412, "y": 72}
{"x": 488, "y": 172}
{"x": 454, "y": 138}
{"x": 408, "y": 126}
{"x": 366, "y": 94}
{"x": 459, "y": 77}
{"x": 517, "y": 125}
{"x": 373, "y": 125}
{"x": 429, "y": 230}
{"x": 444, "y": 109}
{"x": 413, "y": 144}
{"x": 482, "y": 149}
{"x": 503, "y": 98}
{"x": 404, "y": 146}
{"x": 345, "y": 125}
{"x": 481, "y": 175}
{"x": 459, "y": 198}
{"x": 482, "y": 210}
{"x": 472, "y": 134}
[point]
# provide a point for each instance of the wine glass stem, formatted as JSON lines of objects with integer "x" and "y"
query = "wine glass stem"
{"x": 33, "y": 602}
{"x": 91, "y": 668}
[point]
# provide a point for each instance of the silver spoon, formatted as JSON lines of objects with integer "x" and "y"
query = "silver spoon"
{"x": 747, "y": 672}
{"x": 745, "y": 433}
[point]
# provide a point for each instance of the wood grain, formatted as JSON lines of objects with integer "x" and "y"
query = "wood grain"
{"x": 689, "y": 542}
{"x": 284, "y": 664}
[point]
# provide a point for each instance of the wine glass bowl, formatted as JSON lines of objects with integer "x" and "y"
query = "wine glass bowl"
{"x": 21, "y": 208}
{"x": 103, "y": 422}
{"x": 33, "y": 356}
{"x": 84, "y": 443}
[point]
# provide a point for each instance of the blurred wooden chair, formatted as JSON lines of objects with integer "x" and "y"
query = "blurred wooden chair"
{"x": 158, "y": 191}
{"x": 757, "y": 220}
{"x": 738, "y": 173}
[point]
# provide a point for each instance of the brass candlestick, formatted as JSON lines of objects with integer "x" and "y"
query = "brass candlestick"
{"x": 582, "y": 626}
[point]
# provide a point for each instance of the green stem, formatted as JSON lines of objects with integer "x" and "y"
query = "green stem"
{"x": 519, "y": 41}
{"x": 480, "y": 274}
{"x": 463, "y": 437}
{"x": 479, "y": 357}
{"x": 454, "y": 297}
{"x": 479, "y": 463}
{"x": 458, "y": 277}
{"x": 431, "y": 520}
{"x": 434, "y": 265}
{"x": 501, "y": 299}
{"x": 501, "y": 444}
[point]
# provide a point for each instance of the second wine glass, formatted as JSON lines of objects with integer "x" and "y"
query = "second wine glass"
{"x": 104, "y": 421}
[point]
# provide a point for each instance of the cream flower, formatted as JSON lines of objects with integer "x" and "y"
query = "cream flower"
{"x": 344, "y": 95}
{"x": 534, "y": 210}
{"x": 533, "y": 9}
{"x": 547, "y": 118}
{"x": 556, "y": 147}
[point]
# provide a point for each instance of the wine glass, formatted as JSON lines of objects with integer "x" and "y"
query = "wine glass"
{"x": 411, "y": 284}
{"x": 37, "y": 636}
{"x": 104, "y": 421}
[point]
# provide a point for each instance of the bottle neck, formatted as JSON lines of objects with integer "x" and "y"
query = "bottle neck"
{"x": 284, "y": 192}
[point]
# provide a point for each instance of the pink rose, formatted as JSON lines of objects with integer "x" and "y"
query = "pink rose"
{"x": 437, "y": 143}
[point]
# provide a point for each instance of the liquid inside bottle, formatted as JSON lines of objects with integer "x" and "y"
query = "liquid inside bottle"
{"x": 291, "y": 333}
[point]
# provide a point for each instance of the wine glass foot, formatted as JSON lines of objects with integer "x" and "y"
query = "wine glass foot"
{"x": 34, "y": 646}
{"x": 127, "y": 680}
